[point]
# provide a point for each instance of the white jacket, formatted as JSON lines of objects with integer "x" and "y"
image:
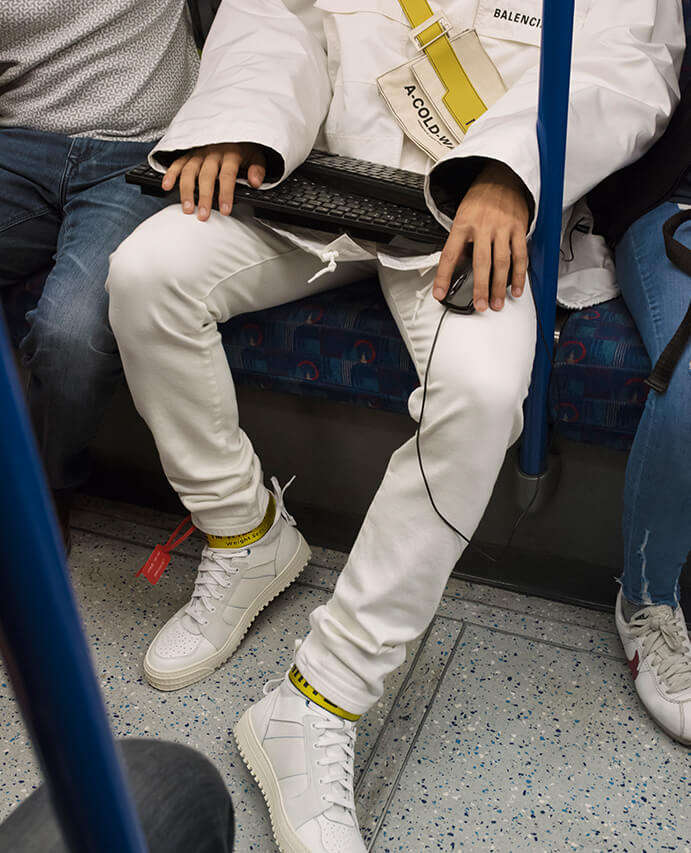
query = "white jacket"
{"x": 289, "y": 75}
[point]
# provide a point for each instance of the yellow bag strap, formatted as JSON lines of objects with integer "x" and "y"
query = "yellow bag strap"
{"x": 461, "y": 99}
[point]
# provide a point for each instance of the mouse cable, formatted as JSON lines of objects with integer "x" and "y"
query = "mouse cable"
{"x": 531, "y": 503}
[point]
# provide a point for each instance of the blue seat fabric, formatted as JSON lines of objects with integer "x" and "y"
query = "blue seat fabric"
{"x": 343, "y": 345}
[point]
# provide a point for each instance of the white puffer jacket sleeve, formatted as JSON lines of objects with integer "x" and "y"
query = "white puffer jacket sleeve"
{"x": 262, "y": 79}
{"x": 624, "y": 88}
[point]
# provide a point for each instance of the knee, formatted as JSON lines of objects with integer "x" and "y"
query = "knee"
{"x": 148, "y": 279}
{"x": 186, "y": 782}
{"x": 670, "y": 415}
{"x": 128, "y": 289}
{"x": 65, "y": 340}
{"x": 488, "y": 394}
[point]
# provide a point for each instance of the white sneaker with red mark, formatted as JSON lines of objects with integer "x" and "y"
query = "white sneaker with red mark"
{"x": 658, "y": 650}
{"x": 232, "y": 587}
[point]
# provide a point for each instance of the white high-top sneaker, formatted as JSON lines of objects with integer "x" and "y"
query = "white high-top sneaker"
{"x": 232, "y": 587}
{"x": 302, "y": 758}
{"x": 657, "y": 647}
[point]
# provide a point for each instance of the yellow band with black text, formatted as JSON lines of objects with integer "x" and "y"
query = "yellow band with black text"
{"x": 298, "y": 680}
{"x": 242, "y": 540}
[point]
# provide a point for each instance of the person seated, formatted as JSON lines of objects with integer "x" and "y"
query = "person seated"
{"x": 275, "y": 79}
{"x": 85, "y": 90}
{"x": 631, "y": 209}
{"x": 182, "y": 803}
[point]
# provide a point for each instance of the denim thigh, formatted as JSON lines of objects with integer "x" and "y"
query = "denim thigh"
{"x": 657, "y": 493}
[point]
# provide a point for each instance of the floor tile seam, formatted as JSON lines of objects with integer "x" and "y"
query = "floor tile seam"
{"x": 532, "y": 639}
{"x": 120, "y": 518}
{"x": 504, "y": 608}
{"x": 166, "y": 529}
{"x": 532, "y": 615}
{"x": 195, "y": 559}
{"x": 311, "y": 585}
{"x": 388, "y": 717}
{"x": 118, "y": 538}
{"x": 326, "y": 568}
{"x": 572, "y": 600}
{"x": 421, "y": 724}
{"x": 181, "y": 554}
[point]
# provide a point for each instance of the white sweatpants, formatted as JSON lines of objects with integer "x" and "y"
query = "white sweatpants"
{"x": 175, "y": 278}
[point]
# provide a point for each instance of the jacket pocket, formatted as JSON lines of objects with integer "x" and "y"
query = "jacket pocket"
{"x": 388, "y": 8}
{"x": 365, "y": 38}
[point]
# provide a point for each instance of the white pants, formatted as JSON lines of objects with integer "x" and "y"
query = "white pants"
{"x": 175, "y": 278}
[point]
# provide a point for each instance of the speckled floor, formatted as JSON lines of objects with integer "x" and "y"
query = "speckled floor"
{"x": 512, "y": 725}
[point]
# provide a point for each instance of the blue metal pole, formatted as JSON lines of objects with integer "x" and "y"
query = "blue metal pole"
{"x": 45, "y": 650}
{"x": 555, "y": 69}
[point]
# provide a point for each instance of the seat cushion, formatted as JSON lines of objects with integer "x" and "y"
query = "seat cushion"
{"x": 343, "y": 345}
{"x": 598, "y": 391}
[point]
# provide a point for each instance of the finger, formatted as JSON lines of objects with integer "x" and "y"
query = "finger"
{"x": 226, "y": 181}
{"x": 519, "y": 256}
{"x": 501, "y": 261}
{"x": 207, "y": 184}
{"x": 450, "y": 256}
{"x": 257, "y": 170}
{"x": 256, "y": 175}
{"x": 188, "y": 181}
{"x": 173, "y": 172}
{"x": 482, "y": 263}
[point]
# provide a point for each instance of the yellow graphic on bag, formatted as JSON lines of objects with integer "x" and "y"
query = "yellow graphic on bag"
{"x": 461, "y": 98}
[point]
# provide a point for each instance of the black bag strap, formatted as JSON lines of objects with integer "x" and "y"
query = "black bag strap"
{"x": 680, "y": 256}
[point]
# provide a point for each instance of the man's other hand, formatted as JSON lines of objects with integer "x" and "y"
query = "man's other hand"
{"x": 206, "y": 164}
{"x": 494, "y": 217}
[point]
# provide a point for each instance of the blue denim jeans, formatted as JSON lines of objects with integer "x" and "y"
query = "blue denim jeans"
{"x": 64, "y": 207}
{"x": 657, "y": 495}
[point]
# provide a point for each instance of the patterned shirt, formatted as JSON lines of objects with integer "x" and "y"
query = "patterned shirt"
{"x": 110, "y": 69}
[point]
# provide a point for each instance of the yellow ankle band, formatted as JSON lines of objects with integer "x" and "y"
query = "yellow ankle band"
{"x": 313, "y": 695}
{"x": 242, "y": 540}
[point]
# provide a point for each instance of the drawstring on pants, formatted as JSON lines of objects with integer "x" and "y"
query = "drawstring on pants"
{"x": 330, "y": 267}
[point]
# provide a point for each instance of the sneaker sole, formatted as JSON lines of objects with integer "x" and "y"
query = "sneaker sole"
{"x": 677, "y": 737}
{"x": 683, "y": 740}
{"x": 259, "y": 765}
{"x": 184, "y": 677}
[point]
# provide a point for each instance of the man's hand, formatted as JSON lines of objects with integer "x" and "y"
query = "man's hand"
{"x": 222, "y": 161}
{"x": 493, "y": 217}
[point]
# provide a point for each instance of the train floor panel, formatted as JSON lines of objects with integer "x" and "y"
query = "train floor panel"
{"x": 512, "y": 725}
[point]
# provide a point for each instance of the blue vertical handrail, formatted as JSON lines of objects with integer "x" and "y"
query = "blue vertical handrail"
{"x": 45, "y": 650}
{"x": 552, "y": 114}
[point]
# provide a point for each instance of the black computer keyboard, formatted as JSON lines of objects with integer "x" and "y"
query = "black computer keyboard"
{"x": 363, "y": 178}
{"x": 372, "y": 203}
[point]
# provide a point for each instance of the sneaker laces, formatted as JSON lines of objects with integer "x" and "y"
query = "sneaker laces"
{"x": 280, "y": 501}
{"x": 664, "y": 637}
{"x": 215, "y": 570}
{"x": 338, "y": 739}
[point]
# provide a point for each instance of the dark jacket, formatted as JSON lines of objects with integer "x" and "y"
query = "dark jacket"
{"x": 626, "y": 195}
{"x": 202, "y": 13}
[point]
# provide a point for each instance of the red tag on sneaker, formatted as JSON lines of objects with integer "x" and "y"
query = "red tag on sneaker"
{"x": 157, "y": 563}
